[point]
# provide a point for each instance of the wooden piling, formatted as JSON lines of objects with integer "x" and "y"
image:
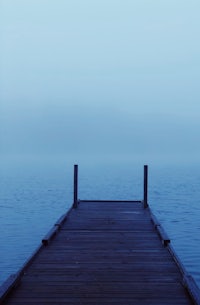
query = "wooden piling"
{"x": 75, "y": 203}
{"x": 145, "y": 200}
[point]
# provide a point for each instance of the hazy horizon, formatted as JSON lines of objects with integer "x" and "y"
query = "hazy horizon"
{"x": 100, "y": 79}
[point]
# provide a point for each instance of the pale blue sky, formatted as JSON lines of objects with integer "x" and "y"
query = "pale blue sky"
{"x": 107, "y": 78}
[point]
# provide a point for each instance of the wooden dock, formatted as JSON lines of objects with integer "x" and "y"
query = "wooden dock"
{"x": 103, "y": 253}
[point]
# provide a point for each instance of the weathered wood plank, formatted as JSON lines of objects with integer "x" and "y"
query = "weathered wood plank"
{"x": 103, "y": 300}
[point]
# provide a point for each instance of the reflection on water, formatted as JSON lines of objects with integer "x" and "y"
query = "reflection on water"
{"x": 33, "y": 196}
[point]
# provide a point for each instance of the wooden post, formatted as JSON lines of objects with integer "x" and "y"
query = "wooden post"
{"x": 145, "y": 186}
{"x": 75, "y": 204}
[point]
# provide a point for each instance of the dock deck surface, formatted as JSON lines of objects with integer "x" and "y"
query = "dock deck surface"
{"x": 105, "y": 253}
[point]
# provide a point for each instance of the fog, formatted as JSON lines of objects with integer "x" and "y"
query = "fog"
{"x": 100, "y": 79}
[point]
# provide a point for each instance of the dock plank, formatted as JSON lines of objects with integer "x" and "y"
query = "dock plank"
{"x": 104, "y": 253}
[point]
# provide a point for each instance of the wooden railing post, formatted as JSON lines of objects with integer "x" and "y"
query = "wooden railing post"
{"x": 75, "y": 204}
{"x": 145, "y": 186}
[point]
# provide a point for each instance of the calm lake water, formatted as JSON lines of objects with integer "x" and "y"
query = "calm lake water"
{"x": 33, "y": 195}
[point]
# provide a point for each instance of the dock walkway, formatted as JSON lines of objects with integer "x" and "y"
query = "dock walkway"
{"x": 104, "y": 253}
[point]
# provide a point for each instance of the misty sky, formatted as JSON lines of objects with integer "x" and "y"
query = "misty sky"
{"x": 100, "y": 77}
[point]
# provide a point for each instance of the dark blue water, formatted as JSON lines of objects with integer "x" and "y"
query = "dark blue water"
{"x": 34, "y": 194}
